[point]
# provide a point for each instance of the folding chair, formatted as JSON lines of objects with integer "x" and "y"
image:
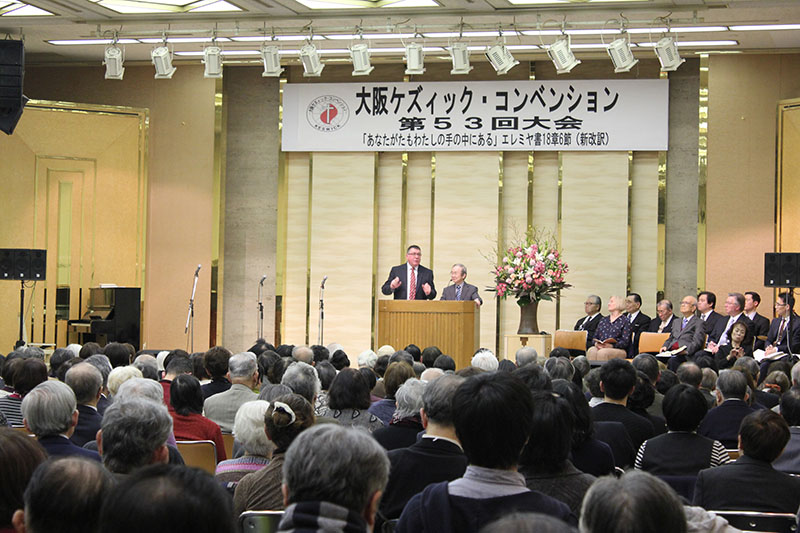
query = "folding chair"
{"x": 259, "y": 521}
{"x": 755, "y": 521}
{"x": 199, "y": 453}
{"x": 651, "y": 342}
{"x": 571, "y": 340}
{"x": 227, "y": 439}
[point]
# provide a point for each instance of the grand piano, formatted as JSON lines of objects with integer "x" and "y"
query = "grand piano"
{"x": 113, "y": 314}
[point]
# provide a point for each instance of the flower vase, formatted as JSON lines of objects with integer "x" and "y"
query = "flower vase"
{"x": 528, "y": 320}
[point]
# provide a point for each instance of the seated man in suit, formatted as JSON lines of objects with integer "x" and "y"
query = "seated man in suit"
{"x": 493, "y": 417}
{"x": 639, "y": 321}
{"x": 460, "y": 290}
{"x": 243, "y": 375}
{"x": 663, "y": 322}
{"x": 86, "y": 382}
{"x": 706, "y": 302}
{"x": 722, "y": 422}
{"x": 410, "y": 281}
{"x": 721, "y": 334}
{"x": 436, "y": 457}
{"x": 617, "y": 381}
{"x": 760, "y": 323}
{"x": 49, "y": 412}
{"x": 762, "y": 437}
{"x": 687, "y": 331}
{"x": 589, "y": 323}
{"x": 784, "y": 331}
{"x": 789, "y": 460}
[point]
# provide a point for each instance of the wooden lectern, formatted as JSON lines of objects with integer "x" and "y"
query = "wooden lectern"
{"x": 452, "y": 326}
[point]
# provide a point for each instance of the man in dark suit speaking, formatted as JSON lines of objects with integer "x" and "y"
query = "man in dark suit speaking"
{"x": 410, "y": 281}
{"x": 460, "y": 290}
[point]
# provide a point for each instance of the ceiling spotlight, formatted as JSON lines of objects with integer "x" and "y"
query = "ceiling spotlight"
{"x": 271, "y": 60}
{"x": 212, "y": 59}
{"x": 162, "y": 60}
{"x": 621, "y": 55}
{"x": 500, "y": 58}
{"x": 114, "y": 56}
{"x": 415, "y": 59}
{"x": 359, "y": 53}
{"x": 312, "y": 66}
{"x": 668, "y": 56}
{"x": 459, "y": 53}
{"x": 561, "y": 55}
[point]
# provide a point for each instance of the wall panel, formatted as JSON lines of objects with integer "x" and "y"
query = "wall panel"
{"x": 594, "y": 228}
{"x": 297, "y": 235}
{"x": 644, "y": 229}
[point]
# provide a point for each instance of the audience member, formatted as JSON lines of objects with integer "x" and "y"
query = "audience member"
{"x": 216, "y": 362}
{"x": 445, "y": 362}
{"x": 89, "y": 349}
{"x": 506, "y": 365}
{"x": 759, "y": 399}
{"x": 367, "y": 359}
{"x": 50, "y": 413}
{"x": 545, "y": 459}
{"x": 339, "y": 360}
{"x": 760, "y": 323}
{"x": 589, "y": 323}
{"x": 687, "y": 333}
{"x": 348, "y": 398}
{"x": 582, "y": 367}
{"x": 485, "y": 360}
{"x": 321, "y": 354}
{"x": 250, "y": 433}
{"x": 406, "y": 422}
{"x": 617, "y": 381}
{"x": 120, "y": 375}
{"x": 708, "y": 386}
{"x": 436, "y": 457}
{"x": 396, "y": 374}
{"x": 525, "y": 356}
{"x": 304, "y": 354}
{"x": 333, "y": 475}
{"x": 431, "y": 374}
{"x": 789, "y": 460}
{"x": 776, "y": 383}
{"x": 762, "y": 437}
{"x": 592, "y": 383}
{"x": 86, "y": 382}
{"x": 534, "y": 377}
{"x": 647, "y": 363}
{"x": 271, "y": 391}
{"x": 166, "y": 499}
{"x": 285, "y": 419}
{"x": 690, "y": 374}
{"x": 243, "y": 374}
{"x": 681, "y": 452}
{"x": 60, "y": 355}
{"x": 176, "y": 365}
{"x": 639, "y": 321}
{"x": 302, "y": 378}
{"x": 429, "y": 355}
{"x": 419, "y": 368}
{"x": 664, "y": 319}
{"x": 101, "y": 363}
{"x": 493, "y": 415}
{"x": 326, "y": 374}
{"x": 729, "y": 353}
{"x": 27, "y": 374}
{"x": 117, "y": 354}
{"x": 19, "y": 457}
{"x": 528, "y": 523}
{"x": 134, "y": 434}
{"x": 64, "y": 495}
{"x": 147, "y": 365}
{"x": 588, "y": 453}
{"x": 414, "y": 351}
{"x": 635, "y": 502}
{"x": 722, "y": 422}
{"x": 188, "y": 423}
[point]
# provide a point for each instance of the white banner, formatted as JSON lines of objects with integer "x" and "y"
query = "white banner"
{"x": 488, "y": 115}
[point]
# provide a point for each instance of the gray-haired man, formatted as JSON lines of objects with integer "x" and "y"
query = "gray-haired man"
{"x": 243, "y": 375}
{"x": 460, "y": 289}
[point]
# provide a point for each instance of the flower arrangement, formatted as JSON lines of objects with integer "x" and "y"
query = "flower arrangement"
{"x": 532, "y": 270}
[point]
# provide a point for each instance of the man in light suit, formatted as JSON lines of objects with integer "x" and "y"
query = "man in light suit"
{"x": 460, "y": 290}
{"x": 400, "y": 276}
{"x": 243, "y": 375}
{"x": 639, "y": 321}
{"x": 688, "y": 331}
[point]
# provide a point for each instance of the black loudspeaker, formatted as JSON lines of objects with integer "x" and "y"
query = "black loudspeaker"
{"x": 6, "y": 263}
{"x": 21, "y": 265}
{"x": 38, "y": 265}
{"x": 790, "y": 262}
{"x": 12, "y": 71}
{"x": 772, "y": 269}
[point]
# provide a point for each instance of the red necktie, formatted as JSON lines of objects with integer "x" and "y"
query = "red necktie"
{"x": 412, "y": 289}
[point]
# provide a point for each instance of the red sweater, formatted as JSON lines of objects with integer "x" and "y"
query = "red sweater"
{"x": 198, "y": 427}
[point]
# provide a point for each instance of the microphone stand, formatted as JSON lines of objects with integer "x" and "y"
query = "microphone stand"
{"x": 321, "y": 307}
{"x": 190, "y": 316}
{"x": 261, "y": 308}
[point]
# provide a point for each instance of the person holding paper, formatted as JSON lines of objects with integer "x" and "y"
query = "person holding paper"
{"x": 688, "y": 333}
{"x": 613, "y": 335}
{"x": 784, "y": 333}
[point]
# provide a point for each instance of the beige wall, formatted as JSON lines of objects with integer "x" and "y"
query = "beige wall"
{"x": 180, "y": 174}
{"x": 744, "y": 91}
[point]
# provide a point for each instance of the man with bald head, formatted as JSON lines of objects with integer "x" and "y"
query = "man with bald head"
{"x": 688, "y": 332}
{"x": 304, "y": 354}
{"x": 87, "y": 383}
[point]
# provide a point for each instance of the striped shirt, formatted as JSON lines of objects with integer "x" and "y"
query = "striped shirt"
{"x": 11, "y": 407}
